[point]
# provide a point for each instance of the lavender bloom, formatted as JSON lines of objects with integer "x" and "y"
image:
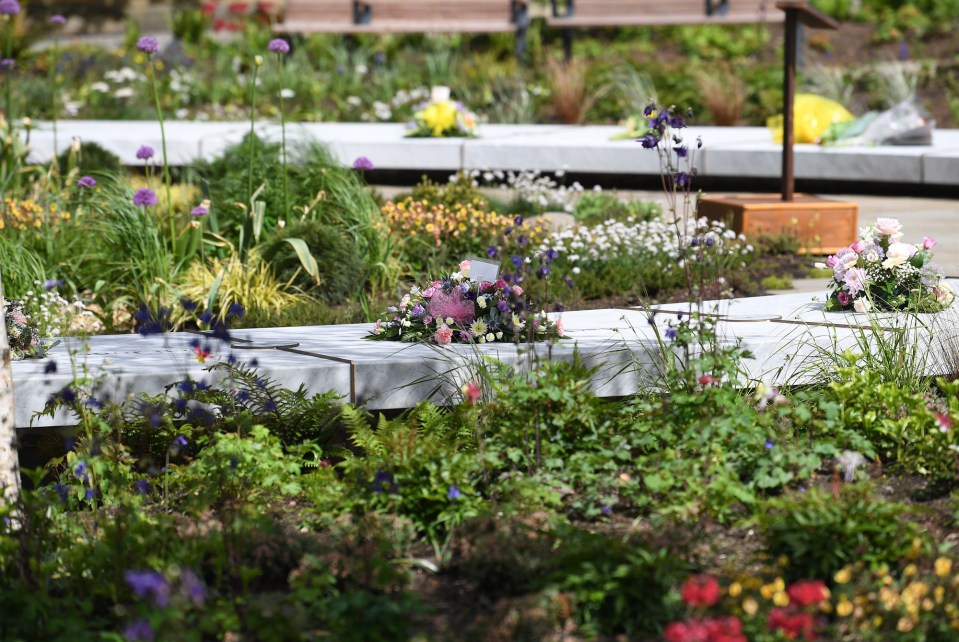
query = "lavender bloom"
{"x": 50, "y": 284}
{"x": 418, "y": 310}
{"x": 363, "y": 164}
{"x": 139, "y": 631}
{"x": 145, "y": 152}
{"x": 9, "y": 7}
{"x": 58, "y": 20}
{"x": 199, "y": 211}
{"x": 145, "y": 197}
{"x": 6, "y": 64}
{"x": 86, "y": 182}
{"x": 454, "y": 493}
{"x": 147, "y": 45}
{"x": 279, "y": 46}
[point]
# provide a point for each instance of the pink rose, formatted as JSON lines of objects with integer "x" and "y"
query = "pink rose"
{"x": 484, "y": 285}
{"x": 444, "y": 335}
{"x": 843, "y": 298}
{"x": 831, "y": 261}
{"x": 18, "y": 317}
{"x": 889, "y": 227}
{"x": 472, "y": 392}
{"x": 428, "y": 292}
{"x": 559, "y": 327}
{"x": 518, "y": 291}
{"x": 465, "y": 267}
{"x": 858, "y": 247}
{"x": 928, "y": 242}
{"x": 500, "y": 283}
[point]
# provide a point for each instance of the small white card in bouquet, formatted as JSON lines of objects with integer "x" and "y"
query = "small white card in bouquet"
{"x": 483, "y": 270}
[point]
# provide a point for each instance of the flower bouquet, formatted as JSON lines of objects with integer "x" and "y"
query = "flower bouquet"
{"x": 457, "y": 310}
{"x": 22, "y": 334}
{"x": 879, "y": 272}
{"x": 442, "y": 118}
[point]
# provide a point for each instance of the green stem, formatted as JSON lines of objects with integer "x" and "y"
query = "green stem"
{"x": 166, "y": 164}
{"x": 55, "y": 90}
{"x": 252, "y": 132}
{"x": 286, "y": 194}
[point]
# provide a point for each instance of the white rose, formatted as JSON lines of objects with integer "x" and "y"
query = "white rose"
{"x": 862, "y": 305}
{"x": 481, "y": 302}
{"x": 898, "y": 254}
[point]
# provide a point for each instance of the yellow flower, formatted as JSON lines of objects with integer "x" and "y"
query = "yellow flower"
{"x": 844, "y": 608}
{"x": 904, "y": 625}
{"x": 943, "y": 566}
{"x": 750, "y": 606}
{"x": 439, "y": 117}
{"x": 909, "y": 570}
{"x": 735, "y": 589}
{"x": 843, "y": 575}
{"x": 781, "y": 599}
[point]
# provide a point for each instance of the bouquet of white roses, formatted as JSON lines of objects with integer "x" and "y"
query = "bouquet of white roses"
{"x": 880, "y": 272}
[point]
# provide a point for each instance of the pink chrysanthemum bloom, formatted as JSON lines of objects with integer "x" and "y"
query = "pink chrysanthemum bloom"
{"x": 452, "y": 305}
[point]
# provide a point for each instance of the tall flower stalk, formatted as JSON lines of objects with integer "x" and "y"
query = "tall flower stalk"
{"x": 280, "y": 47}
{"x": 257, "y": 61}
{"x": 150, "y": 46}
{"x": 8, "y": 9}
{"x": 57, "y": 23}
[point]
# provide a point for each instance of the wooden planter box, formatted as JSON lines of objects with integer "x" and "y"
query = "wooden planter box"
{"x": 821, "y": 225}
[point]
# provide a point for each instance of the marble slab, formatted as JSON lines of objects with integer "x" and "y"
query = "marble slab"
{"x": 789, "y": 337}
{"x": 746, "y": 152}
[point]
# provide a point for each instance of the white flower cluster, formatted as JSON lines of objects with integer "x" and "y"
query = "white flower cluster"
{"x": 657, "y": 239}
{"x": 530, "y": 186}
{"x": 55, "y": 316}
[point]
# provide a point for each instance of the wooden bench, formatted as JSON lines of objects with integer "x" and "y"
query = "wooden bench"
{"x": 570, "y": 14}
{"x": 352, "y": 17}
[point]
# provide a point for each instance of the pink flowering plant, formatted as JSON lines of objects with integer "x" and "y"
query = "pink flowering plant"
{"x": 23, "y": 334}
{"x": 880, "y": 272}
{"x": 456, "y": 309}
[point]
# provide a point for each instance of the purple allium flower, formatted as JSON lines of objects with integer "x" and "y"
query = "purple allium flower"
{"x": 192, "y": 587}
{"x": 86, "y": 182}
{"x": 58, "y": 20}
{"x": 454, "y": 493}
{"x": 6, "y": 64}
{"x": 279, "y": 46}
{"x": 149, "y": 583}
{"x": 363, "y": 164}
{"x": 147, "y": 45}
{"x": 145, "y": 152}
{"x": 145, "y": 197}
{"x": 199, "y": 211}
{"x": 139, "y": 631}
{"x": 9, "y": 7}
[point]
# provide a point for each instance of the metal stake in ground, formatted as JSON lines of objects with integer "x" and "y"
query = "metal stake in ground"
{"x": 797, "y": 12}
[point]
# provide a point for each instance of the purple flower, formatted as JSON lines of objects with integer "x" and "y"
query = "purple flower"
{"x": 86, "y": 182}
{"x": 682, "y": 179}
{"x": 491, "y": 252}
{"x": 50, "y": 284}
{"x": 145, "y": 197}
{"x": 649, "y": 141}
{"x": 6, "y": 64}
{"x": 139, "y": 631}
{"x": 769, "y": 445}
{"x": 903, "y": 51}
{"x": 681, "y": 151}
{"x": 199, "y": 210}
{"x": 418, "y": 310}
{"x": 503, "y": 307}
{"x": 143, "y": 487}
{"x": 146, "y": 44}
{"x": 607, "y": 510}
{"x": 454, "y": 493}
{"x": 9, "y": 7}
{"x": 192, "y": 587}
{"x": 279, "y": 46}
{"x": 650, "y": 108}
{"x": 149, "y": 583}
{"x": 671, "y": 333}
{"x": 363, "y": 164}
{"x": 57, "y": 19}
{"x": 145, "y": 152}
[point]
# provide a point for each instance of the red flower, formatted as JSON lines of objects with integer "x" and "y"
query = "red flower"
{"x": 793, "y": 625}
{"x": 700, "y": 590}
{"x": 202, "y": 354}
{"x": 728, "y": 629}
{"x": 708, "y": 380}
{"x": 472, "y": 392}
{"x": 238, "y": 8}
{"x": 807, "y": 593}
